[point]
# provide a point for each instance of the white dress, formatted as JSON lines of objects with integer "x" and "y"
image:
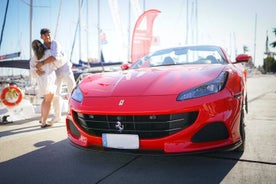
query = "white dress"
{"x": 47, "y": 81}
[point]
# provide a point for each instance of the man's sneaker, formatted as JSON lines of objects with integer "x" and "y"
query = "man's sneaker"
{"x": 53, "y": 121}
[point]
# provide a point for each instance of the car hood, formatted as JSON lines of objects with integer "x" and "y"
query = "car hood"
{"x": 168, "y": 80}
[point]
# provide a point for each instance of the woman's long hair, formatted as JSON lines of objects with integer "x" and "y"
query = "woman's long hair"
{"x": 38, "y": 49}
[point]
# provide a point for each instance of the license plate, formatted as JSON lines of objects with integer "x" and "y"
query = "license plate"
{"x": 121, "y": 141}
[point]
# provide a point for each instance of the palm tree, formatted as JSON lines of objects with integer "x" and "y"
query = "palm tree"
{"x": 245, "y": 49}
{"x": 273, "y": 44}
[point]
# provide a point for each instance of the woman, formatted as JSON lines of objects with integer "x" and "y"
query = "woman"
{"x": 45, "y": 78}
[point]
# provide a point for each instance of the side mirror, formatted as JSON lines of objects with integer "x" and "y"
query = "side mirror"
{"x": 243, "y": 58}
{"x": 125, "y": 66}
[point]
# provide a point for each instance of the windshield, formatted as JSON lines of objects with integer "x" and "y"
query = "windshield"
{"x": 181, "y": 56}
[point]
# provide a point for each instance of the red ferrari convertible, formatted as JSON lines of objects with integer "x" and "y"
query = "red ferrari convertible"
{"x": 177, "y": 100}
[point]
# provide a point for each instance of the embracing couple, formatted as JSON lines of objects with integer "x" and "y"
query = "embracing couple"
{"x": 51, "y": 69}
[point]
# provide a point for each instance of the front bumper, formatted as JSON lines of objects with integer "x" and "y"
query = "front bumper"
{"x": 216, "y": 126}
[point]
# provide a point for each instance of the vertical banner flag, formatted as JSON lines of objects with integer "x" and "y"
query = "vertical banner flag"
{"x": 142, "y": 34}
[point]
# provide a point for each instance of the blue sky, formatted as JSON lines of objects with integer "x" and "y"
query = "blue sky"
{"x": 230, "y": 24}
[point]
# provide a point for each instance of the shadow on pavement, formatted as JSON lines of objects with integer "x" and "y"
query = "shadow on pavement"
{"x": 62, "y": 163}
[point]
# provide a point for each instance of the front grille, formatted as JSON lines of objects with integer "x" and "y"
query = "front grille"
{"x": 147, "y": 126}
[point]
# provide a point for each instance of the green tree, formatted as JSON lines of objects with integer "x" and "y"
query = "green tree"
{"x": 269, "y": 64}
{"x": 269, "y": 61}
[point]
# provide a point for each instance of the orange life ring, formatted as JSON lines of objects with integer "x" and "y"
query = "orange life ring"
{"x": 9, "y": 94}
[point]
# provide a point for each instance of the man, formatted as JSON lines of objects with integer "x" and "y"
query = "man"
{"x": 63, "y": 70}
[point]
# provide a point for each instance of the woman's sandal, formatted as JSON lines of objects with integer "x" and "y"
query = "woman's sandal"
{"x": 44, "y": 126}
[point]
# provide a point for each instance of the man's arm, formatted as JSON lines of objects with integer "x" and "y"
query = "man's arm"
{"x": 56, "y": 55}
{"x": 45, "y": 61}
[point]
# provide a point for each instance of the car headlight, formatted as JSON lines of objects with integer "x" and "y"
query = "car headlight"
{"x": 77, "y": 94}
{"x": 208, "y": 88}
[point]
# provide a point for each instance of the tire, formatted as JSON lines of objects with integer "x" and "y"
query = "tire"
{"x": 246, "y": 104}
{"x": 242, "y": 132}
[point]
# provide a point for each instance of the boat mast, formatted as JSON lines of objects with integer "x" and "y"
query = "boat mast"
{"x": 129, "y": 37}
{"x": 87, "y": 33}
{"x": 187, "y": 23}
{"x": 255, "y": 33}
{"x": 99, "y": 32}
{"x": 80, "y": 6}
{"x": 99, "y": 37}
{"x": 59, "y": 10}
{"x": 31, "y": 25}
{"x": 4, "y": 22}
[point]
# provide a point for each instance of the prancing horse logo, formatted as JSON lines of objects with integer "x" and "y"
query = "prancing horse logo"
{"x": 119, "y": 126}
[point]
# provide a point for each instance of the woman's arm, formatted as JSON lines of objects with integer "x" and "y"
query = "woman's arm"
{"x": 45, "y": 61}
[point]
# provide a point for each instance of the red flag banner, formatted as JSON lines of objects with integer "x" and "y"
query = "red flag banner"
{"x": 103, "y": 38}
{"x": 142, "y": 34}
